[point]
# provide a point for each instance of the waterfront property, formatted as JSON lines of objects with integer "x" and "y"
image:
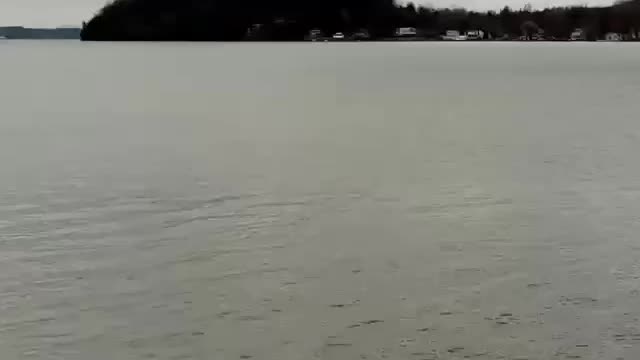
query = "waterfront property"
{"x": 475, "y": 35}
{"x": 406, "y": 32}
{"x": 453, "y": 35}
{"x": 611, "y": 36}
{"x": 578, "y": 35}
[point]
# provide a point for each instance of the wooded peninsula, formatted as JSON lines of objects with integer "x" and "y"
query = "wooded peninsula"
{"x": 295, "y": 20}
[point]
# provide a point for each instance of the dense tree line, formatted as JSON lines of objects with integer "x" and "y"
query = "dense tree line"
{"x": 559, "y": 23}
{"x": 229, "y": 20}
{"x": 293, "y": 19}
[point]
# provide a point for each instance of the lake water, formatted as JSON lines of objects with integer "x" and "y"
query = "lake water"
{"x": 414, "y": 201}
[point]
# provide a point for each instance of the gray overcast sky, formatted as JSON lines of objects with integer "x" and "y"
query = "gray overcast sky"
{"x": 52, "y": 13}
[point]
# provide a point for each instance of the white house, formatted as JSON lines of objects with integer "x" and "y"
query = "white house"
{"x": 453, "y": 35}
{"x": 406, "y": 31}
{"x": 578, "y": 34}
{"x": 475, "y": 35}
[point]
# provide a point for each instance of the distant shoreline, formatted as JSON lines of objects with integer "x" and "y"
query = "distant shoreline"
{"x": 365, "y": 20}
{"x": 24, "y": 33}
{"x": 352, "y": 41}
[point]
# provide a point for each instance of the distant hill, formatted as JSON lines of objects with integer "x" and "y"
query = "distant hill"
{"x": 281, "y": 20}
{"x": 19, "y": 32}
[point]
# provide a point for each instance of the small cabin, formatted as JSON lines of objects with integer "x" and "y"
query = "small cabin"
{"x": 254, "y": 31}
{"x": 613, "y": 36}
{"x": 475, "y": 35}
{"x": 315, "y": 34}
{"x": 406, "y": 32}
{"x": 362, "y": 34}
{"x": 451, "y": 35}
{"x": 578, "y": 34}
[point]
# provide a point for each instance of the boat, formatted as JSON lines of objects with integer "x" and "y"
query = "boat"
{"x": 338, "y": 36}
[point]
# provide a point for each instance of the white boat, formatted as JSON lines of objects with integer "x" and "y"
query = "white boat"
{"x": 338, "y": 36}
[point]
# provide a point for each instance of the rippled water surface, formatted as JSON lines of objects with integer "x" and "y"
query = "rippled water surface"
{"x": 414, "y": 201}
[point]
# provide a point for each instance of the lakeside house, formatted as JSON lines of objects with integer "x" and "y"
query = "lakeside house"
{"x": 611, "y": 36}
{"x": 253, "y": 31}
{"x": 319, "y": 35}
{"x": 578, "y": 35}
{"x": 406, "y": 32}
{"x": 475, "y": 35}
{"x": 315, "y": 35}
{"x": 453, "y": 35}
{"x": 529, "y": 29}
{"x": 362, "y": 34}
